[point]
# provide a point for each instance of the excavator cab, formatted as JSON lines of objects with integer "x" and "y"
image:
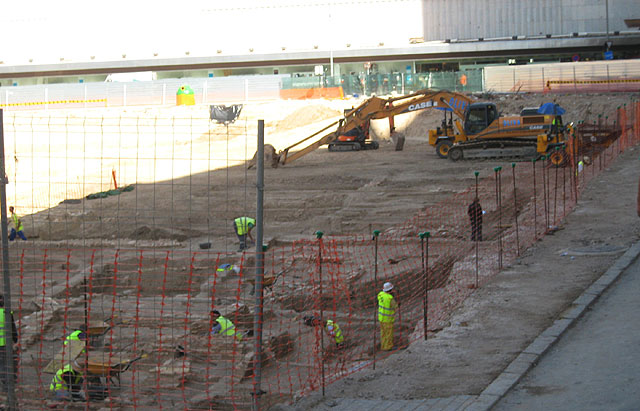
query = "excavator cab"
{"x": 479, "y": 116}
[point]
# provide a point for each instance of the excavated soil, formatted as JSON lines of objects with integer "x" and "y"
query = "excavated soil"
{"x": 337, "y": 193}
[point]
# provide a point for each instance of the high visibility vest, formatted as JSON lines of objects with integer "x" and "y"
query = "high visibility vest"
{"x": 73, "y": 336}
{"x": 242, "y": 224}
{"x": 337, "y": 332}
{"x": 3, "y": 341}
{"x": 57, "y": 384}
{"x": 227, "y": 327}
{"x": 386, "y": 314}
{"x": 17, "y": 223}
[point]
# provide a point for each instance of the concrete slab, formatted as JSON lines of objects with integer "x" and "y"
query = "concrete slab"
{"x": 557, "y": 328}
{"x": 457, "y": 402}
{"x": 585, "y": 299}
{"x": 484, "y": 402}
{"x": 540, "y": 345}
{"x": 522, "y": 363}
{"x": 502, "y": 384}
{"x": 574, "y": 312}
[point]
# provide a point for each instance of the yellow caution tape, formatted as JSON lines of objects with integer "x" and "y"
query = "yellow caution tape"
{"x": 42, "y": 103}
{"x": 592, "y": 81}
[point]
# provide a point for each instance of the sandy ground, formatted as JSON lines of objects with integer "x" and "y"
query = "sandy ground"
{"x": 344, "y": 193}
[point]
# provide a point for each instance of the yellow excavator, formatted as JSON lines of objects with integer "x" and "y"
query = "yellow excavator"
{"x": 478, "y": 131}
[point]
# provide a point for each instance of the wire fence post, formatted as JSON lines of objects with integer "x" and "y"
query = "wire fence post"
{"x": 8, "y": 347}
{"x": 555, "y": 192}
{"x": 515, "y": 209}
{"x": 478, "y": 233}
{"x": 319, "y": 235}
{"x": 499, "y": 206}
{"x": 376, "y": 233}
{"x": 544, "y": 194}
{"x": 259, "y": 278}
{"x": 425, "y": 272}
{"x": 535, "y": 201}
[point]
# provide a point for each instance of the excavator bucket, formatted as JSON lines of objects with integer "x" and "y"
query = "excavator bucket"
{"x": 270, "y": 157}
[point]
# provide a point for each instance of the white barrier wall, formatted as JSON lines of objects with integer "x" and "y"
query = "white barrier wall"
{"x": 609, "y": 75}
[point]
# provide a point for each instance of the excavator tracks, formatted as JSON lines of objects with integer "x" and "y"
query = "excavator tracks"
{"x": 487, "y": 149}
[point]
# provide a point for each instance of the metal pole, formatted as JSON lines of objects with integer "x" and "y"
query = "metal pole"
{"x": 259, "y": 279}
{"x": 8, "y": 332}
{"x": 331, "y": 62}
{"x": 555, "y": 193}
{"x": 606, "y": 3}
{"x": 376, "y": 233}
{"x": 535, "y": 202}
{"x": 425, "y": 271}
{"x": 544, "y": 195}
{"x": 319, "y": 236}
{"x": 477, "y": 173}
{"x": 499, "y": 205}
{"x": 426, "y": 290}
{"x": 515, "y": 208}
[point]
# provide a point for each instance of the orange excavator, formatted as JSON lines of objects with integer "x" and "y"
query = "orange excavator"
{"x": 478, "y": 131}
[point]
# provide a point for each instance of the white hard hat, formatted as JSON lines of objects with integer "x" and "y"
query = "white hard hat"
{"x": 236, "y": 269}
{"x": 387, "y": 287}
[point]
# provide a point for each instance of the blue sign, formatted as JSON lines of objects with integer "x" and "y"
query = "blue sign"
{"x": 608, "y": 55}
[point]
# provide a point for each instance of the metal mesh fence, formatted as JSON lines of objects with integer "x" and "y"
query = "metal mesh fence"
{"x": 144, "y": 267}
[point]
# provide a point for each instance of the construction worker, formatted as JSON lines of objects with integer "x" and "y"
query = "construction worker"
{"x": 243, "y": 227}
{"x": 475, "y": 216}
{"x": 4, "y": 319}
{"x": 331, "y": 327}
{"x": 387, "y": 307}
{"x": 17, "y": 226}
{"x": 67, "y": 384}
{"x": 223, "y": 326}
{"x": 225, "y": 269}
{"x": 78, "y": 335}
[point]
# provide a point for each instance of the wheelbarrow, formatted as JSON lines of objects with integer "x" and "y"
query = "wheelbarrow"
{"x": 96, "y": 331}
{"x": 100, "y": 365}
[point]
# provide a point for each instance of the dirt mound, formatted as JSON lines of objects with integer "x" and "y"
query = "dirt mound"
{"x": 147, "y": 233}
{"x": 305, "y": 116}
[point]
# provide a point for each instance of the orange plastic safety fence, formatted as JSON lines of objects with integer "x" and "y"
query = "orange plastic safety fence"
{"x": 154, "y": 340}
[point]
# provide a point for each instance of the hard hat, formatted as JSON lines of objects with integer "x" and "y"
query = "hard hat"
{"x": 387, "y": 287}
{"x": 236, "y": 269}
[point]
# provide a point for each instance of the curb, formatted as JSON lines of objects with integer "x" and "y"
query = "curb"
{"x": 547, "y": 339}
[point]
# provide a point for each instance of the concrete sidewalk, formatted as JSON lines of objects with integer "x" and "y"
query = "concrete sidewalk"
{"x": 507, "y": 393}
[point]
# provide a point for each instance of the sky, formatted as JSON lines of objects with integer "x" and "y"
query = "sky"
{"x": 45, "y": 31}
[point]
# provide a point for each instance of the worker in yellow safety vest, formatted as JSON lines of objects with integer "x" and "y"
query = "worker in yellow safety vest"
{"x": 331, "y": 327}
{"x": 243, "y": 227}
{"x": 387, "y": 307}
{"x": 6, "y": 320}
{"x": 17, "y": 226}
{"x": 67, "y": 384}
{"x": 223, "y": 326}
{"x": 78, "y": 335}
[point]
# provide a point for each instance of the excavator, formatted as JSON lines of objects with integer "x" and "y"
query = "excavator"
{"x": 481, "y": 131}
{"x": 478, "y": 131}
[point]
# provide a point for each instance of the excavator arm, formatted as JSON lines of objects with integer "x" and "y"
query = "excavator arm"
{"x": 376, "y": 108}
